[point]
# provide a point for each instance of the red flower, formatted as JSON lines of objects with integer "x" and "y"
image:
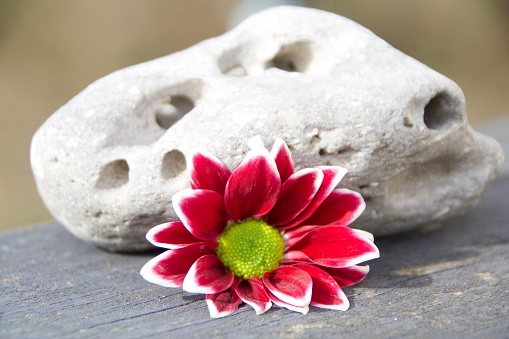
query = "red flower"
{"x": 262, "y": 234}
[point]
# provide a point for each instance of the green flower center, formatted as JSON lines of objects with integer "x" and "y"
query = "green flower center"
{"x": 251, "y": 248}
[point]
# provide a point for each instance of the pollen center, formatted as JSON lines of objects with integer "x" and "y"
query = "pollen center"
{"x": 251, "y": 248}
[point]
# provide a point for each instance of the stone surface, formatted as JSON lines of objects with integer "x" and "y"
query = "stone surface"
{"x": 497, "y": 129}
{"x": 108, "y": 162}
{"x": 450, "y": 283}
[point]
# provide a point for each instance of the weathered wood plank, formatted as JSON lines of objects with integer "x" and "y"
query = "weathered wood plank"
{"x": 449, "y": 281}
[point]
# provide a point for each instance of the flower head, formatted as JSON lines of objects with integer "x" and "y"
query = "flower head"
{"x": 262, "y": 234}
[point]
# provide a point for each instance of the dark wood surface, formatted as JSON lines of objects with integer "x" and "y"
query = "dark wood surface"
{"x": 451, "y": 281}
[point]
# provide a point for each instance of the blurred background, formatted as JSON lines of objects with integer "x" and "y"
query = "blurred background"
{"x": 52, "y": 49}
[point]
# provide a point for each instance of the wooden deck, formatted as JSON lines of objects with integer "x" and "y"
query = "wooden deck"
{"x": 445, "y": 282}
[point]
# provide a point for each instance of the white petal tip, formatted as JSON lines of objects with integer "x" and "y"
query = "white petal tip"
{"x": 365, "y": 234}
{"x": 154, "y": 230}
{"x": 304, "y": 310}
{"x": 260, "y": 311}
{"x": 214, "y": 312}
{"x": 255, "y": 142}
{"x": 342, "y": 307}
{"x": 300, "y": 309}
{"x": 190, "y": 286}
{"x": 151, "y": 236}
{"x": 148, "y": 274}
{"x": 364, "y": 268}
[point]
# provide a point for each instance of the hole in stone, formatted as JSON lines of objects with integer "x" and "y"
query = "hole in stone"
{"x": 230, "y": 62}
{"x": 322, "y": 152}
{"x": 292, "y": 58}
{"x": 284, "y": 63}
{"x": 113, "y": 175}
{"x": 441, "y": 112}
{"x": 174, "y": 163}
{"x": 346, "y": 149}
{"x": 235, "y": 71}
{"x": 407, "y": 122}
{"x": 172, "y": 109}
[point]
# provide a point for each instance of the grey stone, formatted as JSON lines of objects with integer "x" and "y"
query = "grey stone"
{"x": 108, "y": 162}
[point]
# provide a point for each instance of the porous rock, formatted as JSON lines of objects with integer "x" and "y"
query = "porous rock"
{"x": 108, "y": 162}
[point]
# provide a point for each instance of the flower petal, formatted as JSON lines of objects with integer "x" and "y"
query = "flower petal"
{"x": 342, "y": 206}
{"x": 253, "y": 187}
{"x": 296, "y": 194}
{"x": 208, "y": 275}
{"x": 252, "y": 292}
{"x": 283, "y": 159}
{"x": 295, "y": 257}
{"x": 208, "y": 172}
{"x": 171, "y": 235}
{"x": 365, "y": 234}
{"x": 336, "y": 246}
{"x": 347, "y": 276}
{"x": 223, "y": 303}
{"x": 326, "y": 291}
{"x": 202, "y": 212}
{"x": 169, "y": 268}
{"x": 281, "y": 303}
{"x": 289, "y": 284}
{"x": 332, "y": 177}
{"x": 295, "y": 234}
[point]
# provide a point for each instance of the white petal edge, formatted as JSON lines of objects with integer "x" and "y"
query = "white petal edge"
{"x": 176, "y": 202}
{"x": 214, "y": 312}
{"x": 293, "y": 301}
{"x": 259, "y": 310}
{"x": 255, "y": 142}
{"x": 301, "y": 309}
{"x": 316, "y": 187}
{"x": 278, "y": 144}
{"x": 361, "y": 268}
{"x": 301, "y": 302}
{"x": 364, "y": 234}
{"x": 343, "y": 307}
{"x": 338, "y": 177}
{"x": 156, "y": 229}
{"x": 361, "y": 207}
{"x": 375, "y": 253}
{"x": 190, "y": 286}
{"x": 147, "y": 271}
{"x": 204, "y": 152}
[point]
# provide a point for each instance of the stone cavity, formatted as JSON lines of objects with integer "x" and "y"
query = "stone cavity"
{"x": 108, "y": 162}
